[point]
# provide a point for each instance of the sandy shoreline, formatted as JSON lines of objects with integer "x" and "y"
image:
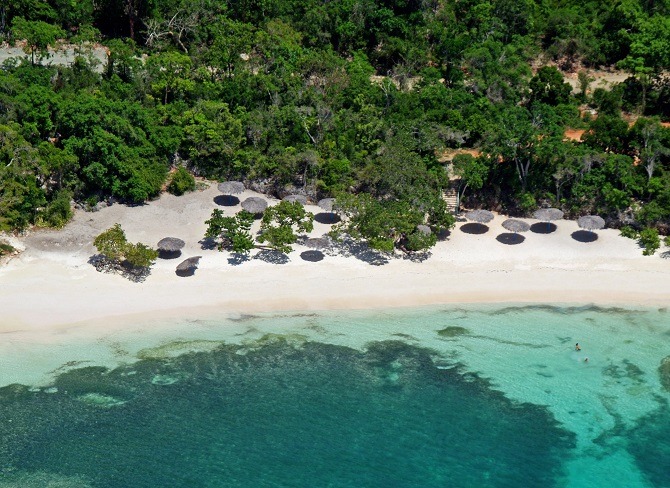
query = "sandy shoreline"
{"x": 52, "y": 284}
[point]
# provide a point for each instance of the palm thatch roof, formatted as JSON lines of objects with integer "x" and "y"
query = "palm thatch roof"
{"x": 591, "y": 222}
{"x": 301, "y": 199}
{"x": 548, "y": 214}
{"x": 188, "y": 266}
{"x": 514, "y": 225}
{"x": 327, "y": 204}
{"x": 170, "y": 244}
{"x": 481, "y": 216}
{"x": 255, "y": 205}
{"x": 231, "y": 187}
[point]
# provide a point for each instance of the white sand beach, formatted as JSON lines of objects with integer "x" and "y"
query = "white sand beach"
{"x": 52, "y": 285}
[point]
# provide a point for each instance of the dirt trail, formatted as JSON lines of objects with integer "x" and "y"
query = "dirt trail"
{"x": 58, "y": 57}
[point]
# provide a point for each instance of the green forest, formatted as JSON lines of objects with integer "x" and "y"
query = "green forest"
{"x": 353, "y": 99}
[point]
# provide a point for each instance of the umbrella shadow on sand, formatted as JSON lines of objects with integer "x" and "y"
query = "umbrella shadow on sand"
{"x": 313, "y": 256}
{"x": 543, "y": 228}
{"x": 585, "y": 236}
{"x": 510, "y": 238}
{"x": 474, "y": 228}
{"x": 226, "y": 200}
{"x": 328, "y": 218}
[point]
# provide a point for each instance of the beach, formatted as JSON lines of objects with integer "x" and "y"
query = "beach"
{"x": 52, "y": 283}
{"x": 255, "y": 352}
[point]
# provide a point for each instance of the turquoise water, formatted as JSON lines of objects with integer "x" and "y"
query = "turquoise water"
{"x": 477, "y": 396}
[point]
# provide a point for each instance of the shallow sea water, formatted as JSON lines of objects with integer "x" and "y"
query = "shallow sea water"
{"x": 486, "y": 396}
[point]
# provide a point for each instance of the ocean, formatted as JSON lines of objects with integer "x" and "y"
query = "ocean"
{"x": 475, "y": 396}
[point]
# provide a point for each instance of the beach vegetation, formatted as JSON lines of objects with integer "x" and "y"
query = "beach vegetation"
{"x": 649, "y": 241}
{"x": 6, "y": 249}
{"x": 181, "y": 182}
{"x": 232, "y": 232}
{"x": 281, "y": 224}
{"x": 115, "y": 250}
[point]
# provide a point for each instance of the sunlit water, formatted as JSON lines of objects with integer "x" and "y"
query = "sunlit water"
{"x": 478, "y": 396}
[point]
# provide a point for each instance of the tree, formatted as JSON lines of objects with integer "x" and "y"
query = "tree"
{"x": 181, "y": 182}
{"x": 281, "y": 222}
{"x": 113, "y": 245}
{"x": 38, "y": 35}
{"x": 170, "y": 74}
{"x": 548, "y": 86}
{"x": 648, "y": 141}
{"x": 472, "y": 173}
{"x": 234, "y": 232}
{"x": 384, "y": 225}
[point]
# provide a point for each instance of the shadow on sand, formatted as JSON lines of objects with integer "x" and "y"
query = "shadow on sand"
{"x": 584, "y": 236}
{"x": 510, "y": 239}
{"x": 271, "y": 256}
{"x": 543, "y": 228}
{"x": 474, "y": 228}
{"x": 226, "y": 200}
{"x": 313, "y": 256}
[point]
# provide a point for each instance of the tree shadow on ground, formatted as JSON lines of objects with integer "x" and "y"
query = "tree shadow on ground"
{"x": 543, "y": 228}
{"x": 327, "y": 218}
{"x": 208, "y": 244}
{"x": 585, "y": 236}
{"x": 665, "y": 255}
{"x": 474, "y": 228}
{"x": 102, "y": 264}
{"x": 226, "y": 200}
{"x": 313, "y": 256}
{"x": 510, "y": 238}
{"x": 443, "y": 235}
{"x": 169, "y": 254}
{"x": 236, "y": 258}
{"x": 271, "y": 256}
{"x": 417, "y": 257}
{"x": 360, "y": 250}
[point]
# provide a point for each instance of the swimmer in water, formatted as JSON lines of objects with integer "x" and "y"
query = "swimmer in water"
{"x": 577, "y": 347}
{"x": 586, "y": 360}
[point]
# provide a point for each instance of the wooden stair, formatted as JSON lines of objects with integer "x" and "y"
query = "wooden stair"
{"x": 451, "y": 197}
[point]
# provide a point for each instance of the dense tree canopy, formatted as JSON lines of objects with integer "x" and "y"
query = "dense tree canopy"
{"x": 356, "y": 99}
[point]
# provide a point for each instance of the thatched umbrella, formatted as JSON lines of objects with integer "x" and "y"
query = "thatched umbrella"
{"x": 317, "y": 243}
{"x": 516, "y": 226}
{"x": 424, "y": 229}
{"x": 327, "y": 204}
{"x": 170, "y": 247}
{"x": 591, "y": 222}
{"x": 188, "y": 266}
{"x": 255, "y": 205}
{"x": 329, "y": 216}
{"x": 480, "y": 216}
{"x": 301, "y": 199}
{"x": 546, "y": 215}
{"x": 231, "y": 187}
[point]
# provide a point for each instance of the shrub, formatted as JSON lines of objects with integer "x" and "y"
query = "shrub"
{"x": 6, "y": 249}
{"x": 181, "y": 182}
{"x": 650, "y": 241}
{"x": 629, "y": 232}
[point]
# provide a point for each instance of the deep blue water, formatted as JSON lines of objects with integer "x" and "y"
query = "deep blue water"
{"x": 276, "y": 413}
